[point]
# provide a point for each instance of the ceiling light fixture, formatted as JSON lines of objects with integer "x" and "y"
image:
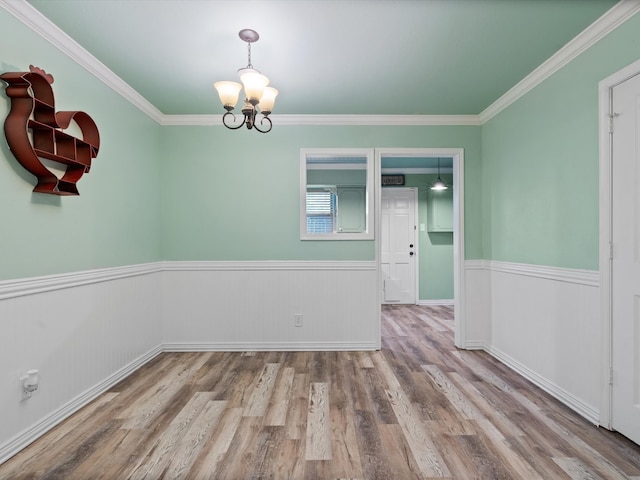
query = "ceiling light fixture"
{"x": 257, "y": 94}
{"x": 439, "y": 184}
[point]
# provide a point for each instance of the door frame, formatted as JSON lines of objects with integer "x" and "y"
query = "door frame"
{"x": 605, "y": 101}
{"x": 459, "y": 303}
{"x": 416, "y": 269}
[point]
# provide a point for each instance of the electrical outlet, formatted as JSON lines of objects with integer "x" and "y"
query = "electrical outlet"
{"x": 297, "y": 320}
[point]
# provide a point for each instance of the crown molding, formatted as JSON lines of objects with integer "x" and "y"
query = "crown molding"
{"x": 612, "y": 19}
{"x": 333, "y": 120}
{"x": 40, "y": 24}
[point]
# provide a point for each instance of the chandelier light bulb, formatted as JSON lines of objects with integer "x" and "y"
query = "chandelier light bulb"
{"x": 228, "y": 93}
{"x": 254, "y": 84}
{"x": 267, "y": 100}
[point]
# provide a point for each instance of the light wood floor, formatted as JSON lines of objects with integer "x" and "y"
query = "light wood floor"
{"x": 418, "y": 409}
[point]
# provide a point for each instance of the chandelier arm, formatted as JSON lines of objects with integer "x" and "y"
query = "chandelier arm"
{"x": 231, "y": 127}
{"x": 261, "y": 122}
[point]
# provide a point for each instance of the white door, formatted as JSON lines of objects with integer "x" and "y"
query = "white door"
{"x": 398, "y": 245}
{"x": 625, "y": 295}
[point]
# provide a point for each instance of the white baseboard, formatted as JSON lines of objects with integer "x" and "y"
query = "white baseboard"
{"x": 269, "y": 347}
{"x": 23, "y": 439}
{"x": 475, "y": 345}
{"x": 587, "y": 411}
{"x": 447, "y": 302}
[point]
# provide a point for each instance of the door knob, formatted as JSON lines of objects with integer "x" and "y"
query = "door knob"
{"x": 411, "y": 253}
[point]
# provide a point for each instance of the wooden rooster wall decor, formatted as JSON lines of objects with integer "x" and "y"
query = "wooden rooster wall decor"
{"x": 33, "y": 108}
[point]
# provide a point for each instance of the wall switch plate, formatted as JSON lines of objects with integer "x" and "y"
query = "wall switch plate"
{"x": 297, "y": 320}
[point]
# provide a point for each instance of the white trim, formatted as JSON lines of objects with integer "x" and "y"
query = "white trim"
{"x": 267, "y": 265}
{"x": 448, "y": 301}
{"x": 608, "y": 22}
{"x": 474, "y": 345}
{"x": 606, "y": 233}
{"x": 612, "y": 19}
{"x": 477, "y": 265}
{"x": 34, "y": 285}
{"x": 412, "y": 171}
{"x": 587, "y": 411}
{"x": 24, "y": 438}
{"x": 381, "y": 120}
{"x": 269, "y": 347}
{"x": 339, "y": 166}
{"x": 577, "y": 276}
{"x": 333, "y": 120}
{"x": 569, "y": 275}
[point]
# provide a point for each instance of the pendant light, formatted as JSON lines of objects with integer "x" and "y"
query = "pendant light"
{"x": 439, "y": 185}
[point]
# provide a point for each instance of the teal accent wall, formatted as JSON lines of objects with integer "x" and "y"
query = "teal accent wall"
{"x": 116, "y": 219}
{"x": 234, "y": 195}
{"x": 540, "y": 162}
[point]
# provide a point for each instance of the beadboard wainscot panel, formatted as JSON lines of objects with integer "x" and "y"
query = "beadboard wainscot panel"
{"x": 442, "y": 301}
{"x": 478, "y": 304}
{"x": 237, "y": 306}
{"x": 545, "y": 324}
{"x": 83, "y": 331}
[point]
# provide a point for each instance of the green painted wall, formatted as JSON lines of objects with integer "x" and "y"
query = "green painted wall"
{"x": 540, "y": 162}
{"x": 435, "y": 252}
{"x": 116, "y": 220}
{"x": 234, "y": 195}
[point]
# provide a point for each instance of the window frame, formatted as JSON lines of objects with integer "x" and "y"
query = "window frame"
{"x": 369, "y": 231}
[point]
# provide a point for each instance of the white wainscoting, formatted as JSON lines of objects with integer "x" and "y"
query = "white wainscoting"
{"x": 251, "y": 306}
{"x": 477, "y": 311}
{"x": 83, "y": 331}
{"x": 444, "y": 301}
{"x": 544, "y": 323}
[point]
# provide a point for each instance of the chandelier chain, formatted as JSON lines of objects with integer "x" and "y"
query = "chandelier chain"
{"x": 249, "y": 55}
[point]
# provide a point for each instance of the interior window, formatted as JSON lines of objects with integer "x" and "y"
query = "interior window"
{"x": 336, "y": 192}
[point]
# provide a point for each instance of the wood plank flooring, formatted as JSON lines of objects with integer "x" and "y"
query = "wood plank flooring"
{"x": 417, "y": 409}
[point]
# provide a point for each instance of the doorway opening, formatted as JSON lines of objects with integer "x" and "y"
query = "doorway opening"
{"x": 416, "y": 164}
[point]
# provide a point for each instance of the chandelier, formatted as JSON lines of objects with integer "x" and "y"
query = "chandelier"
{"x": 258, "y": 96}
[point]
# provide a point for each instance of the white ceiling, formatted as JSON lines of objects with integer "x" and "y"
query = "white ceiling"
{"x": 327, "y": 57}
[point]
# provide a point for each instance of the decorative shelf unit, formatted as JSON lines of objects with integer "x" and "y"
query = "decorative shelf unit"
{"x": 33, "y": 109}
